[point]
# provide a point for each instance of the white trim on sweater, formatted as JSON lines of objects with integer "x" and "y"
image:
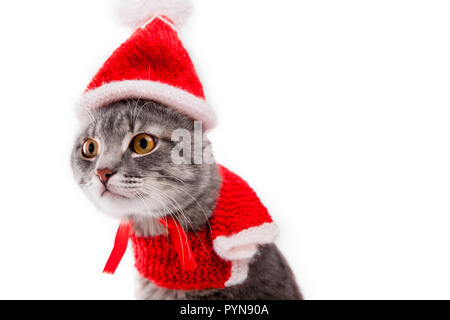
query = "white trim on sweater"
{"x": 173, "y": 97}
{"x": 243, "y": 245}
{"x": 239, "y": 272}
{"x": 239, "y": 248}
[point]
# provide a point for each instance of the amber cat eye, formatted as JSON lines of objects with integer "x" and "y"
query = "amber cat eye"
{"x": 143, "y": 143}
{"x": 89, "y": 149}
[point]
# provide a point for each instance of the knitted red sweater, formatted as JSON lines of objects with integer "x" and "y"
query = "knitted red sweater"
{"x": 222, "y": 251}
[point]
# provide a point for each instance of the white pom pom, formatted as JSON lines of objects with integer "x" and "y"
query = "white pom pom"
{"x": 135, "y": 13}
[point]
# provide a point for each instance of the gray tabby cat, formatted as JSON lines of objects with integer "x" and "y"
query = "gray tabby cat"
{"x": 141, "y": 188}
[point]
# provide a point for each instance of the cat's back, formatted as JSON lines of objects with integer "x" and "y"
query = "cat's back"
{"x": 269, "y": 278}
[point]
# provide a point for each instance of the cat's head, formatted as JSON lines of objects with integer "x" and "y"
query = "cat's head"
{"x": 129, "y": 159}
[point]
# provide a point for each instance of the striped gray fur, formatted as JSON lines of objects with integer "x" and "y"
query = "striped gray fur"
{"x": 153, "y": 186}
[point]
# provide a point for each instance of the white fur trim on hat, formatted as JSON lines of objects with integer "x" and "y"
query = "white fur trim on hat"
{"x": 243, "y": 245}
{"x": 135, "y": 13}
{"x": 174, "y": 98}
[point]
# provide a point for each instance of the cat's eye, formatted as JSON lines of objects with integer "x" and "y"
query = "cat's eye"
{"x": 89, "y": 150}
{"x": 143, "y": 143}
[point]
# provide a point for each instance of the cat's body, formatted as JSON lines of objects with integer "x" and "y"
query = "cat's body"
{"x": 145, "y": 188}
{"x": 269, "y": 278}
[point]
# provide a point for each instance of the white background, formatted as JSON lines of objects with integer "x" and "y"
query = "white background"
{"x": 336, "y": 112}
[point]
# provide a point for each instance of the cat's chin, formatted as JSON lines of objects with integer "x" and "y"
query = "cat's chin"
{"x": 119, "y": 207}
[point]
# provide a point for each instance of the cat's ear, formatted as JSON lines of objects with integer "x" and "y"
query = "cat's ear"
{"x": 136, "y": 13}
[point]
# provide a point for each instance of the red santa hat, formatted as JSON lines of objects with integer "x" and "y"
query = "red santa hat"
{"x": 152, "y": 64}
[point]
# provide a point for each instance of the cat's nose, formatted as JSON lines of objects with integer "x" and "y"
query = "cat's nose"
{"x": 105, "y": 174}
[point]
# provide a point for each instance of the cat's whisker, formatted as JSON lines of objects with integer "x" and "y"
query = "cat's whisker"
{"x": 156, "y": 195}
{"x": 91, "y": 117}
{"x": 194, "y": 200}
{"x": 192, "y": 197}
{"x": 180, "y": 210}
{"x": 138, "y": 196}
{"x": 141, "y": 197}
{"x": 184, "y": 216}
{"x": 172, "y": 178}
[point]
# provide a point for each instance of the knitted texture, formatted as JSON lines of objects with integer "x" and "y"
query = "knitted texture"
{"x": 152, "y": 53}
{"x": 239, "y": 221}
{"x": 238, "y": 207}
{"x": 152, "y": 64}
{"x": 157, "y": 260}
